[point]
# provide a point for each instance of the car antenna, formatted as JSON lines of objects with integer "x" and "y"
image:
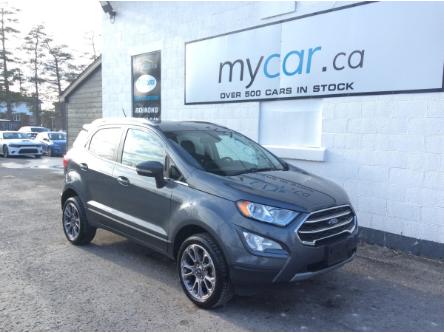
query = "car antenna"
{"x": 123, "y": 110}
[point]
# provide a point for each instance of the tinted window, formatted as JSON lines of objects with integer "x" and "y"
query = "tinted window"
{"x": 225, "y": 152}
{"x": 104, "y": 143}
{"x": 39, "y": 129}
{"x": 14, "y": 135}
{"x": 57, "y": 136}
{"x": 141, "y": 146}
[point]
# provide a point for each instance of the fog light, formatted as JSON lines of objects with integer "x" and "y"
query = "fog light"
{"x": 259, "y": 243}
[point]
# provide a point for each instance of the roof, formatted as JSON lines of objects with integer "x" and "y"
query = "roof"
{"x": 168, "y": 126}
{"x": 164, "y": 126}
{"x": 82, "y": 77}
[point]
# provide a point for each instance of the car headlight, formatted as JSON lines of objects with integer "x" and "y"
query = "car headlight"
{"x": 13, "y": 146}
{"x": 277, "y": 216}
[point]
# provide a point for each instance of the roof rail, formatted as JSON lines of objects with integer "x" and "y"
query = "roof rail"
{"x": 129, "y": 120}
{"x": 204, "y": 122}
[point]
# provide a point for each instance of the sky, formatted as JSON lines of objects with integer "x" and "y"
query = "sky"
{"x": 68, "y": 21}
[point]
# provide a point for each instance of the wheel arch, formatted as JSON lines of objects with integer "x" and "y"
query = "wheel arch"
{"x": 67, "y": 193}
{"x": 189, "y": 230}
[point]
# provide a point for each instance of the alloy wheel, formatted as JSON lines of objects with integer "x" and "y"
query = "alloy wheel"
{"x": 71, "y": 221}
{"x": 198, "y": 272}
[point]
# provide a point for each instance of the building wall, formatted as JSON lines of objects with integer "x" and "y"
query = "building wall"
{"x": 84, "y": 105}
{"x": 387, "y": 151}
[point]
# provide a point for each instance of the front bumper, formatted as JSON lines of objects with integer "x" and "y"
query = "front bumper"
{"x": 56, "y": 150}
{"x": 301, "y": 262}
{"x": 23, "y": 151}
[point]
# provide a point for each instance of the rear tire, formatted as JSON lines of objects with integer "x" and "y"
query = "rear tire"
{"x": 74, "y": 222}
{"x": 204, "y": 279}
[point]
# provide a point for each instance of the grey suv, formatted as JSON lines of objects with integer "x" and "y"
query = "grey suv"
{"x": 233, "y": 215}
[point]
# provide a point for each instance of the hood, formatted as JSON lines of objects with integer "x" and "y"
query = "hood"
{"x": 293, "y": 189}
{"x": 22, "y": 142}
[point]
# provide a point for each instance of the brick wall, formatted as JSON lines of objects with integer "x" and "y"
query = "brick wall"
{"x": 84, "y": 105}
{"x": 387, "y": 151}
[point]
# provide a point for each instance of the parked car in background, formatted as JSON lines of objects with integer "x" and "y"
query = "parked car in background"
{"x": 33, "y": 130}
{"x": 230, "y": 212}
{"x": 54, "y": 143}
{"x": 13, "y": 143}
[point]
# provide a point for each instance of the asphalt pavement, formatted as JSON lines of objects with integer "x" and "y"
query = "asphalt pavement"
{"x": 114, "y": 284}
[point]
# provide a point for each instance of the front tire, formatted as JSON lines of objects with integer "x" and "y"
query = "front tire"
{"x": 74, "y": 222}
{"x": 5, "y": 152}
{"x": 203, "y": 272}
{"x": 49, "y": 152}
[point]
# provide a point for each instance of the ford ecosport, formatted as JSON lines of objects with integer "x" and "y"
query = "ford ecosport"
{"x": 232, "y": 214}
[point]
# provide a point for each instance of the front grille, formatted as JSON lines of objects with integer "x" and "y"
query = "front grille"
{"x": 24, "y": 146}
{"x": 327, "y": 226}
{"x": 28, "y": 151}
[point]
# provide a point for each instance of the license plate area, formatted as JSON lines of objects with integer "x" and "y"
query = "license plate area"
{"x": 336, "y": 253}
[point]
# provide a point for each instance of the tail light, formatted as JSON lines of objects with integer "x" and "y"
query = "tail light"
{"x": 65, "y": 162}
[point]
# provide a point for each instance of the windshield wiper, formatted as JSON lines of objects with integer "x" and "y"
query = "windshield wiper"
{"x": 252, "y": 170}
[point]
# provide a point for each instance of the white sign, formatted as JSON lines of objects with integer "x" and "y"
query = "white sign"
{"x": 372, "y": 48}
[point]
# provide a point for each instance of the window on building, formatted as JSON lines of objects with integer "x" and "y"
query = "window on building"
{"x": 105, "y": 142}
{"x": 141, "y": 146}
{"x": 291, "y": 124}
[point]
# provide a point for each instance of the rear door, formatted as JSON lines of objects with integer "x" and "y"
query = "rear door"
{"x": 97, "y": 166}
{"x": 141, "y": 207}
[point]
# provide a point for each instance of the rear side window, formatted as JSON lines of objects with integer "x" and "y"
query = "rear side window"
{"x": 80, "y": 141}
{"x": 105, "y": 142}
{"x": 141, "y": 146}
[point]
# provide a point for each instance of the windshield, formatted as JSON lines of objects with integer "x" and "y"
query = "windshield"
{"x": 39, "y": 129}
{"x": 57, "y": 136}
{"x": 14, "y": 135}
{"x": 224, "y": 152}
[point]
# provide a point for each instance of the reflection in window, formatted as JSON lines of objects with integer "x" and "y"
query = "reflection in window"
{"x": 105, "y": 142}
{"x": 142, "y": 146}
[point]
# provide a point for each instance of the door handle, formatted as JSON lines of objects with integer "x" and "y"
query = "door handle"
{"x": 83, "y": 166}
{"x": 123, "y": 181}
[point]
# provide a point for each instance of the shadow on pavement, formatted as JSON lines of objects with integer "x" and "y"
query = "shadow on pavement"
{"x": 348, "y": 299}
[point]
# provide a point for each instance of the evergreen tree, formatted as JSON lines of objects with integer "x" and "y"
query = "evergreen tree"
{"x": 58, "y": 67}
{"x": 34, "y": 46}
{"x": 8, "y": 21}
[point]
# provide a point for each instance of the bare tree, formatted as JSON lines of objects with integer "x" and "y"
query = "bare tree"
{"x": 91, "y": 38}
{"x": 7, "y": 29}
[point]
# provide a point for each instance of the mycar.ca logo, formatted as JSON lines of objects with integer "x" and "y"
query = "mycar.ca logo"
{"x": 292, "y": 64}
{"x": 145, "y": 83}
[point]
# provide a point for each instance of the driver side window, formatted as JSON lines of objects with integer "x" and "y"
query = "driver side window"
{"x": 141, "y": 146}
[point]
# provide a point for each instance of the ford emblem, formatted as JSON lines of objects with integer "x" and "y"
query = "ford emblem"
{"x": 333, "y": 221}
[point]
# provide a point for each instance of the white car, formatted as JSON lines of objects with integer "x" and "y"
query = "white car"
{"x": 19, "y": 144}
{"x": 33, "y": 130}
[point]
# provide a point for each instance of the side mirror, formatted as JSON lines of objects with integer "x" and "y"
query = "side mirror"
{"x": 152, "y": 169}
{"x": 45, "y": 139}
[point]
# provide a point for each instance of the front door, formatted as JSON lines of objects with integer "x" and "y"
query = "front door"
{"x": 141, "y": 207}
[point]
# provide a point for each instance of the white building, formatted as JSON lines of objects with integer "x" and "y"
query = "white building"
{"x": 384, "y": 143}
